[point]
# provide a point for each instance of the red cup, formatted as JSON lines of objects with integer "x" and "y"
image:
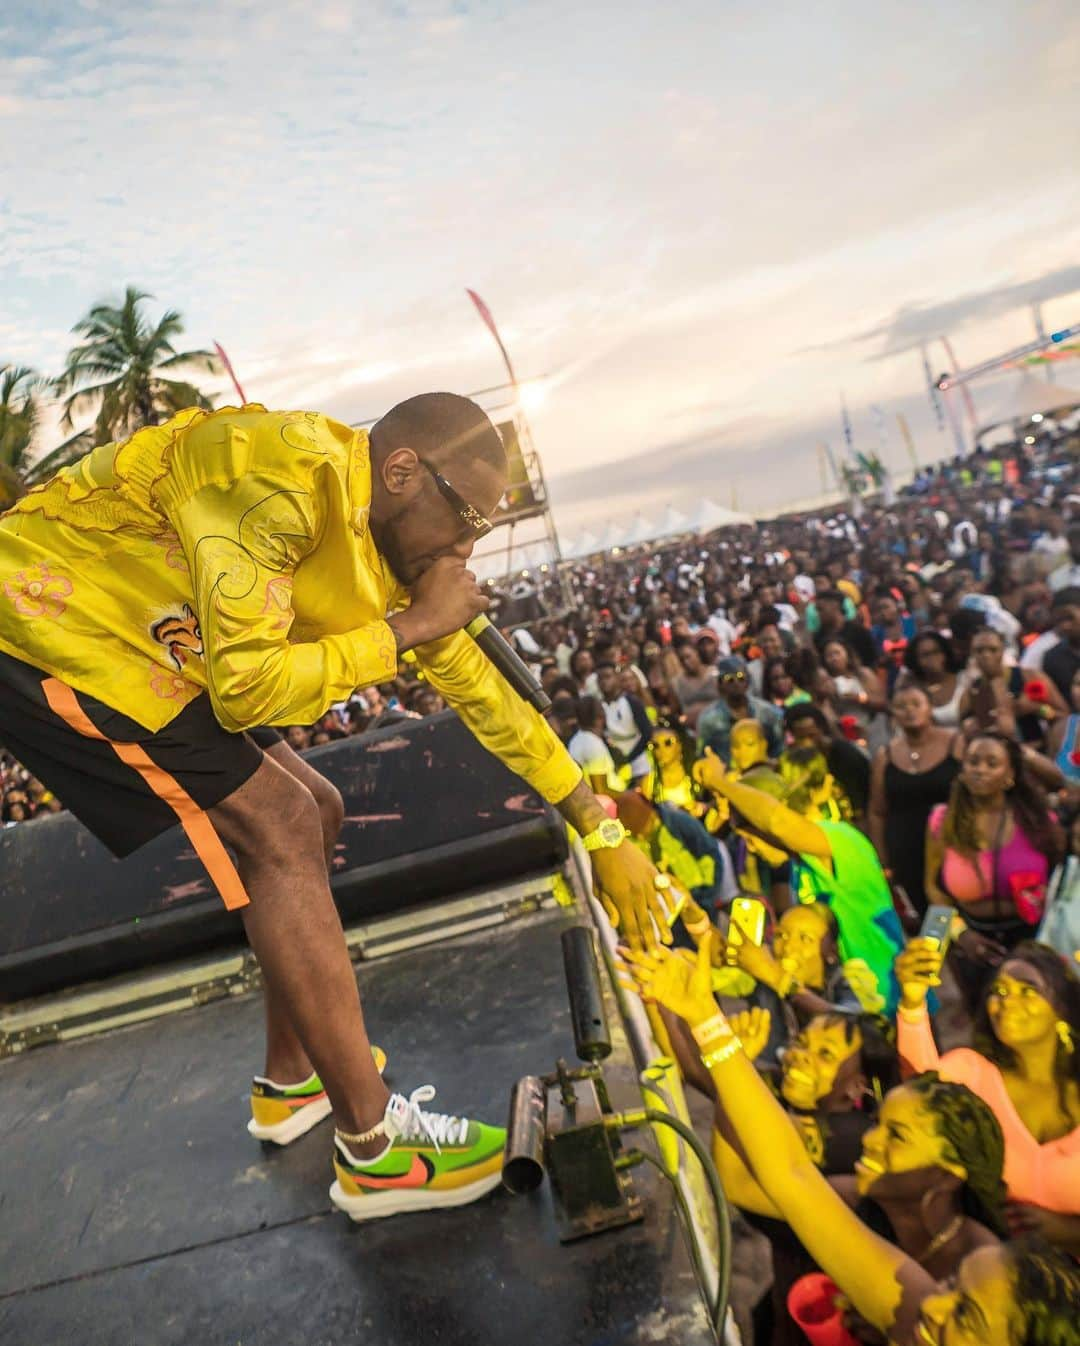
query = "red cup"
{"x": 811, "y": 1302}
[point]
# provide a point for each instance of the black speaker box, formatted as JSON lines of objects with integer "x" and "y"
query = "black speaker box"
{"x": 429, "y": 814}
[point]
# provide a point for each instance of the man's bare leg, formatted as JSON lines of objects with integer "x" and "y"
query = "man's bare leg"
{"x": 286, "y": 1060}
{"x": 273, "y": 824}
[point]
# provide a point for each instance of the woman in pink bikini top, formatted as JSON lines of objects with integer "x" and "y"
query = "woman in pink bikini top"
{"x": 990, "y": 850}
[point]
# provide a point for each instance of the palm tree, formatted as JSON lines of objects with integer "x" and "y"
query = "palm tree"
{"x": 20, "y": 418}
{"x": 118, "y": 367}
{"x": 19, "y": 415}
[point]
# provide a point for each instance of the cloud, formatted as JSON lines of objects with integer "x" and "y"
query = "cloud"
{"x": 913, "y": 324}
{"x": 658, "y": 232}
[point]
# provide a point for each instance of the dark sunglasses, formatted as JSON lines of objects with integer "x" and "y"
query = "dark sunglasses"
{"x": 732, "y": 677}
{"x": 468, "y": 514}
{"x": 665, "y": 740}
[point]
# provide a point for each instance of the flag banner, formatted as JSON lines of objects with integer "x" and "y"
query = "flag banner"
{"x": 932, "y": 389}
{"x": 905, "y": 435}
{"x": 489, "y": 322}
{"x": 229, "y": 370}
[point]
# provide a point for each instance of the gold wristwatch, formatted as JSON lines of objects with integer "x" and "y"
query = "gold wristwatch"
{"x": 609, "y": 835}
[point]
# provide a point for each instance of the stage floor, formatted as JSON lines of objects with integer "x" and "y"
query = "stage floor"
{"x": 136, "y": 1211}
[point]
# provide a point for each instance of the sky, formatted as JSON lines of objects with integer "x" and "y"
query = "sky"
{"x": 706, "y": 222}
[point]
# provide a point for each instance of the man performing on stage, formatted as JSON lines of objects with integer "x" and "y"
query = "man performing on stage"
{"x": 165, "y": 600}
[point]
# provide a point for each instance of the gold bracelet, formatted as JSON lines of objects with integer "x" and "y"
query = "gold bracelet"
{"x": 722, "y": 1054}
{"x": 712, "y": 1030}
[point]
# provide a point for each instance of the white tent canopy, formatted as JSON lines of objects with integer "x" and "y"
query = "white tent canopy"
{"x": 1029, "y": 396}
{"x": 585, "y": 545}
{"x": 641, "y": 530}
{"x": 635, "y": 531}
{"x": 638, "y": 530}
{"x": 710, "y": 515}
{"x": 673, "y": 522}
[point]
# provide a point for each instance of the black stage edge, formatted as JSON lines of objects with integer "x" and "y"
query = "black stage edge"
{"x": 429, "y": 814}
{"x": 136, "y": 1211}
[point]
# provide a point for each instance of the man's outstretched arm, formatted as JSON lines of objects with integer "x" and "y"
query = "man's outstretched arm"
{"x": 519, "y": 736}
{"x": 243, "y": 541}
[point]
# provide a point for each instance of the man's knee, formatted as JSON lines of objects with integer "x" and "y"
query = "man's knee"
{"x": 331, "y": 808}
{"x": 273, "y": 818}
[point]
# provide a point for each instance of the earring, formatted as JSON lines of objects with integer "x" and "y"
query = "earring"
{"x": 1065, "y": 1036}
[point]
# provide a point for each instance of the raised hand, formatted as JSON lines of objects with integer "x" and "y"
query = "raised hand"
{"x": 752, "y": 1027}
{"x": 711, "y": 772}
{"x": 676, "y": 979}
{"x": 758, "y": 961}
{"x": 918, "y": 967}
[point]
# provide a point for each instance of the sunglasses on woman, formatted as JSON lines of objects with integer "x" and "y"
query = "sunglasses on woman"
{"x": 469, "y": 515}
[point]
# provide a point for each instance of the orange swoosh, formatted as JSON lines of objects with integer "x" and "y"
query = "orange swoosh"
{"x": 416, "y": 1176}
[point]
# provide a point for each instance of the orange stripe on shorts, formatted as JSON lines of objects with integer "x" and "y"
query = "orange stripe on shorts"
{"x": 195, "y": 821}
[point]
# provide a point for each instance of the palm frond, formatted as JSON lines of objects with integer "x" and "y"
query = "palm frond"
{"x": 11, "y": 486}
{"x": 209, "y": 360}
{"x": 176, "y": 395}
{"x": 69, "y": 451}
{"x": 114, "y": 368}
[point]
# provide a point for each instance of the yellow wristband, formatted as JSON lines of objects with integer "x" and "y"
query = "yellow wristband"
{"x": 716, "y": 1029}
{"x": 911, "y": 1016}
{"x": 696, "y": 928}
{"x": 722, "y": 1054}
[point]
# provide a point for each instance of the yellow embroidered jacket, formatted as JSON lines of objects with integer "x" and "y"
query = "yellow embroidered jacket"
{"x": 229, "y": 552}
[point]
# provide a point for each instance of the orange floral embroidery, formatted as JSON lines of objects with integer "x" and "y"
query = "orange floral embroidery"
{"x": 388, "y": 654}
{"x": 174, "y": 552}
{"x": 38, "y": 592}
{"x": 279, "y": 600}
{"x": 168, "y": 685}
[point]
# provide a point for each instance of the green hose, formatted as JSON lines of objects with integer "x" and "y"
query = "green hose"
{"x": 723, "y": 1217}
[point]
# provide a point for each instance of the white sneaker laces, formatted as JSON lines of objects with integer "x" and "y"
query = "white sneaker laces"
{"x": 404, "y": 1117}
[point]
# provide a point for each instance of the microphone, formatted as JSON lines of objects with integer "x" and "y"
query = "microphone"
{"x": 509, "y": 663}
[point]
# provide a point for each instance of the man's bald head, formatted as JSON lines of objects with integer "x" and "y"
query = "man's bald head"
{"x": 447, "y": 430}
{"x": 417, "y": 516}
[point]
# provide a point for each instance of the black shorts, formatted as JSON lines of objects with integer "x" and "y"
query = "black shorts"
{"x": 128, "y": 784}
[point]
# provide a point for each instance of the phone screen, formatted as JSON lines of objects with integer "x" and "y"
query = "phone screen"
{"x": 937, "y": 923}
{"x": 747, "y": 920}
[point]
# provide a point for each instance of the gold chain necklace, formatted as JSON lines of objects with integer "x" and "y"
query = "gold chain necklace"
{"x": 940, "y": 1239}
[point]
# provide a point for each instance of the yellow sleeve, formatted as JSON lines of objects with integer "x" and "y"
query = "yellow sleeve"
{"x": 505, "y": 724}
{"x": 243, "y": 540}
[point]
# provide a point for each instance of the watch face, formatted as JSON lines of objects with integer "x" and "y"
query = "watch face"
{"x": 611, "y": 833}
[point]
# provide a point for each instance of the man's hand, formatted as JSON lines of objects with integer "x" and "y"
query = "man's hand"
{"x": 626, "y": 885}
{"x": 918, "y": 967}
{"x": 445, "y": 598}
{"x": 676, "y": 979}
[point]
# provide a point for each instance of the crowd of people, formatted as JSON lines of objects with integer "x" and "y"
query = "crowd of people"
{"x": 827, "y": 730}
{"x": 864, "y": 730}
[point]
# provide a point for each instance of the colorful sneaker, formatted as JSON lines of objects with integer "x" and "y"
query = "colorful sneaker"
{"x": 431, "y": 1160}
{"x": 284, "y": 1112}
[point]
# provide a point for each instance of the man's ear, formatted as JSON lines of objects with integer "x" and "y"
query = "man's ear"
{"x": 398, "y": 469}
